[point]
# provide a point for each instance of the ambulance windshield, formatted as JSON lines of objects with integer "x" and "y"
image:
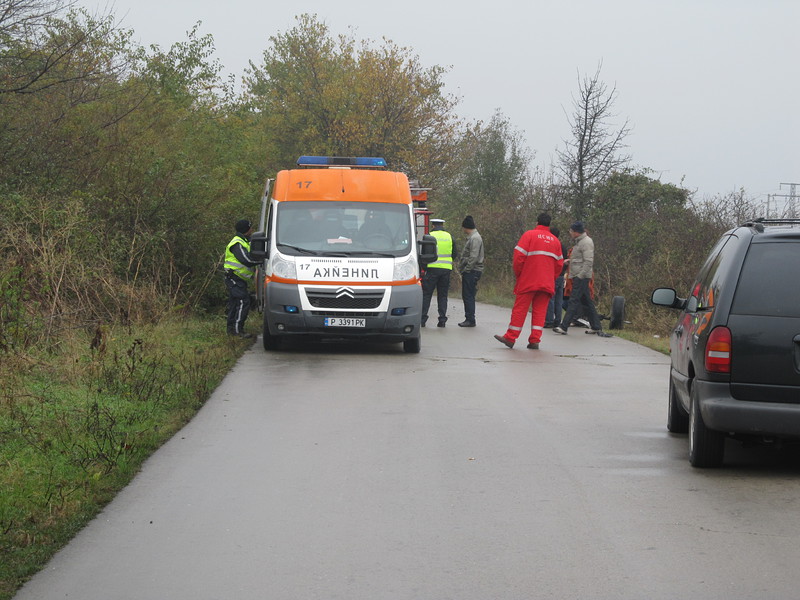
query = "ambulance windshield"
{"x": 360, "y": 228}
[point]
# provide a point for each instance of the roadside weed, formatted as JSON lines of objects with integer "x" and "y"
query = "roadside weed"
{"x": 76, "y": 425}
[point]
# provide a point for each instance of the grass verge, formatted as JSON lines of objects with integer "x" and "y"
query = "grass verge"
{"x": 76, "y": 425}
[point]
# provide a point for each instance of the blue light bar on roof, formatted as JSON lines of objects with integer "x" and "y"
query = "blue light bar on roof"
{"x": 370, "y": 162}
{"x": 340, "y": 161}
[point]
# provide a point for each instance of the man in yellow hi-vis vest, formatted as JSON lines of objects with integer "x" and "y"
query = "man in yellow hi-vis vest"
{"x": 437, "y": 274}
{"x": 239, "y": 270}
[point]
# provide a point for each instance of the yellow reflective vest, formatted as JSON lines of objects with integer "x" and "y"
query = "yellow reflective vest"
{"x": 232, "y": 263}
{"x": 444, "y": 250}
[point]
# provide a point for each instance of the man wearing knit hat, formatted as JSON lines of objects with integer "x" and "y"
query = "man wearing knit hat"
{"x": 239, "y": 269}
{"x": 470, "y": 266}
{"x": 581, "y": 264}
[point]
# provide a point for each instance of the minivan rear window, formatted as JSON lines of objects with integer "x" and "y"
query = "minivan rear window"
{"x": 769, "y": 284}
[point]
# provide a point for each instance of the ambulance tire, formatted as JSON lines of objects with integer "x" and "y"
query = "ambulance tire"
{"x": 412, "y": 345}
{"x": 271, "y": 342}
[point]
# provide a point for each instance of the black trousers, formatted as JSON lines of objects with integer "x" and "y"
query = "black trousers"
{"x": 469, "y": 290}
{"x": 238, "y": 303}
{"x": 581, "y": 298}
{"x": 437, "y": 280}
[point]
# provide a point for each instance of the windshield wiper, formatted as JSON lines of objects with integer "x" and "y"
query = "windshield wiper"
{"x": 371, "y": 253}
{"x": 298, "y": 248}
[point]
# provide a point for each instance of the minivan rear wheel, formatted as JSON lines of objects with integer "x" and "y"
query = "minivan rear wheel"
{"x": 706, "y": 446}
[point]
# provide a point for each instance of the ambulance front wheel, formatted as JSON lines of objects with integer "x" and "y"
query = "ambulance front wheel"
{"x": 413, "y": 345}
{"x": 271, "y": 342}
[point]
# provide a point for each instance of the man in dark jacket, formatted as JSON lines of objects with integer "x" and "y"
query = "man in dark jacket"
{"x": 239, "y": 269}
{"x": 537, "y": 263}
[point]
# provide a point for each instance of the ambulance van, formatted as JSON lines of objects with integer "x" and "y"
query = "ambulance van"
{"x": 341, "y": 258}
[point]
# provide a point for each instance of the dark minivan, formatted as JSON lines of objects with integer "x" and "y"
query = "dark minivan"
{"x": 736, "y": 347}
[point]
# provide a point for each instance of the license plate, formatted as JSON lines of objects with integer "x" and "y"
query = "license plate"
{"x": 344, "y": 322}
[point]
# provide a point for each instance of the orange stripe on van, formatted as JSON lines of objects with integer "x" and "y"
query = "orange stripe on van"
{"x": 328, "y": 282}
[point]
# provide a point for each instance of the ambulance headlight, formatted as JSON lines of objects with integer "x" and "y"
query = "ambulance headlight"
{"x": 283, "y": 267}
{"x": 405, "y": 269}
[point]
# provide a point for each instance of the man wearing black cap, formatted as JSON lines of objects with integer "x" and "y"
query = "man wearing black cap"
{"x": 470, "y": 265}
{"x": 581, "y": 264}
{"x": 437, "y": 274}
{"x": 239, "y": 269}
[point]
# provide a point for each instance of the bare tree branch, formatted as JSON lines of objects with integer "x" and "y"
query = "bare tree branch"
{"x": 594, "y": 150}
{"x": 39, "y": 49}
{"x": 22, "y": 17}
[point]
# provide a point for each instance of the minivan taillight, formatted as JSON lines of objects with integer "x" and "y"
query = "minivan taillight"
{"x": 718, "y": 351}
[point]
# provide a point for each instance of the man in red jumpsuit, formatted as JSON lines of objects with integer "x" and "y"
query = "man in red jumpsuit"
{"x": 537, "y": 263}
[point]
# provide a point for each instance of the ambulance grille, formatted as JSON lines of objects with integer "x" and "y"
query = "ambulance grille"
{"x": 345, "y": 298}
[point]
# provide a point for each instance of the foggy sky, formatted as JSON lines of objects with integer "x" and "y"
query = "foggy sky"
{"x": 710, "y": 87}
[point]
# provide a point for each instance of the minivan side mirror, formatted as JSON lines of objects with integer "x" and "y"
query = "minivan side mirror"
{"x": 259, "y": 246}
{"x": 667, "y": 297}
{"x": 427, "y": 250}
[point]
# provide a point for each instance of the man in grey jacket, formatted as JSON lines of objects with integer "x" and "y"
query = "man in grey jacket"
{"x": 581, "y": 264}
{"x": 470, "y": 265}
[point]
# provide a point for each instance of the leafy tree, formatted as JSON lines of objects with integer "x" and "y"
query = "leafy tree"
{"x": 38, "y": 48}
{"x": 147, "y": 148}
{"x": 316, "y": 94}
{"x": 46, "y": 125}
{"x": 490, "y": 179}
{"x": 631, "y": 209}
{"x": 184, "y": 174}
{"x": 646, "y": 235}
{"x": 594, "y": 150}
{"x": 496, "y": 163}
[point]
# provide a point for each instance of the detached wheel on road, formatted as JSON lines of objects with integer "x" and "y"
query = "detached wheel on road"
{"x": 617, "y": 312}
{"x": 413, "y": 345}
{"x": 706, "y": 446}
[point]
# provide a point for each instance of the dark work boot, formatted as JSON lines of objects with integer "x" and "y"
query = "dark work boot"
{"x": 504, "y": 340}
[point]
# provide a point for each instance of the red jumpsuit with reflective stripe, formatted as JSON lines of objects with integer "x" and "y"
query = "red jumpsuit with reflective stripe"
{"x": 537, "y": 263}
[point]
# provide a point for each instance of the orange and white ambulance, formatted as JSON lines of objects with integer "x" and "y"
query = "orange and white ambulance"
{"x": 341, "y": 256}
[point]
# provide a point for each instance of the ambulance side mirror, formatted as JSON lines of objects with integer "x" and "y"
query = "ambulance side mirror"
{"x": 259, "y": 246}
{"x": 427, "y": 250}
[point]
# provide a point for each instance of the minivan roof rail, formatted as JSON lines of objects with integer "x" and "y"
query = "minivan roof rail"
{"x": 759, "y": 223}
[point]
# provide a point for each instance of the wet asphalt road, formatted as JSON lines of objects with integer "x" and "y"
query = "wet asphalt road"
{"x": 469, "y": 471}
